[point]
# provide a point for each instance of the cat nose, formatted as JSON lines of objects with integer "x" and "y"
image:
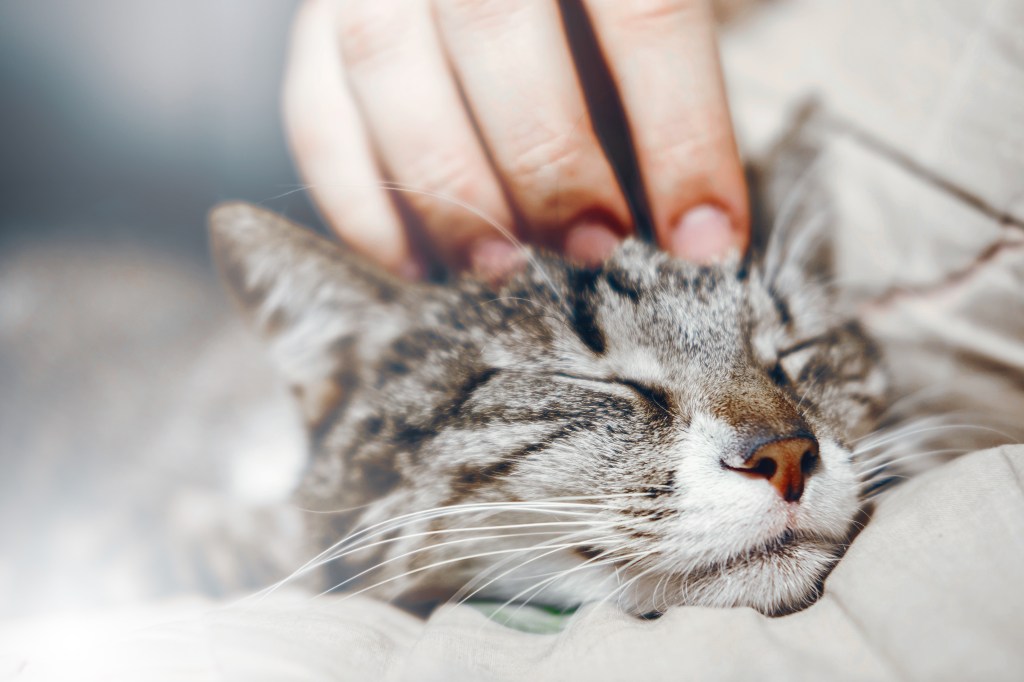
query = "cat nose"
{"x": 785, "y": 462}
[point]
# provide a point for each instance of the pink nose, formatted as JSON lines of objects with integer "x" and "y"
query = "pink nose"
{"x": 785, "y": 463}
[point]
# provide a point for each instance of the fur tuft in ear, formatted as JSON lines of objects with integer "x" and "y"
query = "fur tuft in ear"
{"x": 324, "y": 311}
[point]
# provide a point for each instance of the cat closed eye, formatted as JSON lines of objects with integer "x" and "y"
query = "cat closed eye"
{"x": 653, "y": 395}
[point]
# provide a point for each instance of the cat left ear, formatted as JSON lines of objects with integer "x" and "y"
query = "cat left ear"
{"x": 320, "y": 307}
{"x": 794, "y": 229}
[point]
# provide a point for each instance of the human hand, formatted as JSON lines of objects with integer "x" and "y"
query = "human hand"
{"x": 477, "y": 103}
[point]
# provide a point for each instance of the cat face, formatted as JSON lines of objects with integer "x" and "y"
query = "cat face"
{"x": 650, "y": 432}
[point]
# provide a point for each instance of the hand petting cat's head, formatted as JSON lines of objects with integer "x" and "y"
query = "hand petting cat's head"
{"x": 649, "y": 431}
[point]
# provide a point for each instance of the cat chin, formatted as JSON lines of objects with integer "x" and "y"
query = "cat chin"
{"x": 776, "y": 582}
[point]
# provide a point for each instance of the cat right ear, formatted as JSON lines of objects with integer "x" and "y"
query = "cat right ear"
{"x": 319, "y": 306}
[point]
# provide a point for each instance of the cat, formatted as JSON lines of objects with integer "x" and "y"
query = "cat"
{"x": 649, "y": 432}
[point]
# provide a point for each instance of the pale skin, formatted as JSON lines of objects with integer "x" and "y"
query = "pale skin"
{"x": 477, "y": 103}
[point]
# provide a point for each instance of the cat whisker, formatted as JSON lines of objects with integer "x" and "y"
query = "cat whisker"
{"x": 491, "y": 569}
{"x": 617, "y": 593}
{"x": 920, "y": 395}
{"x": 662, "y": 585}
{"x": 881, "y": 463}
{"x": 900, "y": 427}
{"x": 616, "y": 562}
{"x": 539, "y": 506}
{"x": 568, "y": 505}
{"x": 620, "y": 543}
{"x": 535, "y": 589}
{"x": 447, "y": 562}
{"x": 447, "y": 531}
{"x": 901, "y": 435}
{"x": 575, "y": 509}
{"x": 896, "y": 429}
{"x": 878, "y": 487}
{"x": 426, "y": 548}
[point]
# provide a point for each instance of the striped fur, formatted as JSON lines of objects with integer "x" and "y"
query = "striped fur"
{"x": 633, "y": 385}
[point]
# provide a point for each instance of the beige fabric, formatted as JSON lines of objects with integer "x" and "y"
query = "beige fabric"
{"x": 929, "y": 591}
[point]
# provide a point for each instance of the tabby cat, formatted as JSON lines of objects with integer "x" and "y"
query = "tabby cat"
{"x": 649, "y": 432}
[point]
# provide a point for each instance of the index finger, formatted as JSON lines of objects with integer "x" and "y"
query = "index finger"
{"x": 663, "y": 56}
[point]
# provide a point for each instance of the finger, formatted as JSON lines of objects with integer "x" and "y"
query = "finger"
{"x": 514, "y": 63}
{"x": 409, "y": 99}
{"x": 331, "y": 146}
{"x": 664, "y": 58}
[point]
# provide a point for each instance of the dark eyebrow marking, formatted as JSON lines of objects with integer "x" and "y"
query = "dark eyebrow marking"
{"x": 781, "y": 307}
{"x": 477, "y": 380}
{"x": 582, "y": 284}
{"x": 414, "y": 434}
{"x": 622, "y": 286}
{"x": 471, "y": 477}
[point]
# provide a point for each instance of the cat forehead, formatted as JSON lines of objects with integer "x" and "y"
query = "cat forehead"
{"x": 638, "y": 273}
{"x": 640, "y": 308}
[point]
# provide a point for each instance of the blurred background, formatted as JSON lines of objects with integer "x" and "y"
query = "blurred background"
{"x": 127, "y": 120}
{"x": 127, "y": 406}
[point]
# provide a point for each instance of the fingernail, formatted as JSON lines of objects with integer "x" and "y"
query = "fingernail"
{"x": 494, "y": 259}
{"x": 704, "y": 235}
{"x": 591, "y": 242}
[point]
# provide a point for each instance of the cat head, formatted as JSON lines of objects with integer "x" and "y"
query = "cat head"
{"x": 649, "y": 431}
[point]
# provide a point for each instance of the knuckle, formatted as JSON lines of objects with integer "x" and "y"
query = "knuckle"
{"x": 367, "y": 30}
{"x": 553, "y": 177}
{"x": 682, "y": 152}
{"x": 543, "y": 160}
{"x": 444, "y": 174}
{"x": 477, "y": 13}
{"x": 647, "y": 15}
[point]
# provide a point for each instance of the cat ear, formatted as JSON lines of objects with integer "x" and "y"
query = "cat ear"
{"x": 320, "y": 307}
{"x": 794, "y": 229}
{"x": 799, "y": 250}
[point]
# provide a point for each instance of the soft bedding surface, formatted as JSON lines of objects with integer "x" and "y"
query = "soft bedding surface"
{"x": 922, "y": 594}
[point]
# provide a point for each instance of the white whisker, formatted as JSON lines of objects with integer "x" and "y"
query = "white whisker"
{"x": 497, "y": 566}
{"x": 427, "y": 548}
{"x": 867, "y": 473}
{"x": 556, "y": 506}
{"x": 445, "y": 562}
{"x": 536, "y": 588}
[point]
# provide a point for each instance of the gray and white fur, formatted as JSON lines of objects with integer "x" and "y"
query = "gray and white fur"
{"x": 572, "y": 434}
